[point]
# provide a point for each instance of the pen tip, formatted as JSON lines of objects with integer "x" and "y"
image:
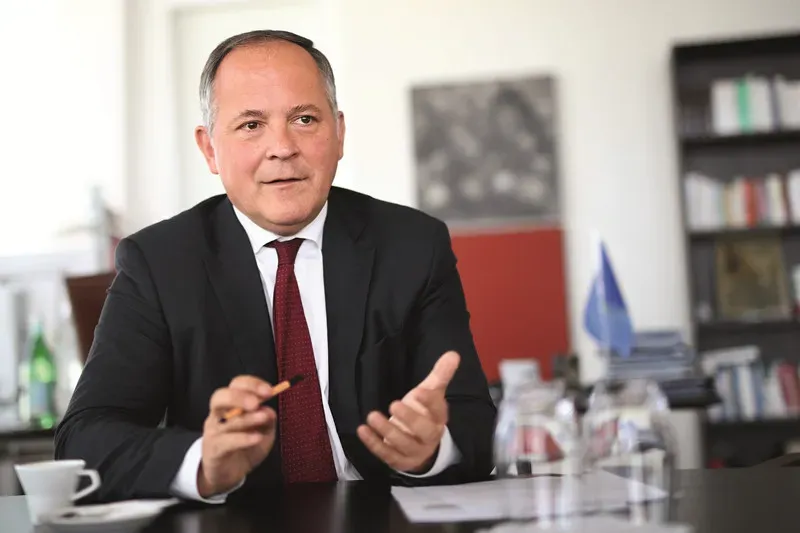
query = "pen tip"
{"x": 295, "y": 380}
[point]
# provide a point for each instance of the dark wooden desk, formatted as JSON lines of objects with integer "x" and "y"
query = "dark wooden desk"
{"x": 713, "y": 501}
{"x": 24, "y": 432}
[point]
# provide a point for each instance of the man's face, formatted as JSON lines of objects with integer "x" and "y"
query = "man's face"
{"x": 276, "y": 141}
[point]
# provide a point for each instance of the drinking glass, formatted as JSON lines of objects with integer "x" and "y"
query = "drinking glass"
{"x": 537, "y": 452}
{"x": 629, "y": 449}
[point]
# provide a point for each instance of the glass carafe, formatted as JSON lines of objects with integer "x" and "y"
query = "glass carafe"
{"x": 537, "y": 452}
{"x": 627, "y": 436}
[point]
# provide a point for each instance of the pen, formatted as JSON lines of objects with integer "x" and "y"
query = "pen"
{"x": 277, "y": 389}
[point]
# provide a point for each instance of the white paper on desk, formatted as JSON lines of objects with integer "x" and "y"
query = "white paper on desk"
{"x": 591, "y": 524}
{"x": 529, "y": 498}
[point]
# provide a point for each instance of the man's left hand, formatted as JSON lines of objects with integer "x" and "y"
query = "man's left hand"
{"x": 409, "y": 440}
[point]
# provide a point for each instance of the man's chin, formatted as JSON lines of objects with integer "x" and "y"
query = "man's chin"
{"x": 289, "y": 223}
{"x": 288, "y": 216}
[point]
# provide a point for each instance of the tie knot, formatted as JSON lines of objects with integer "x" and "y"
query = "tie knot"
{"x": 287, "y": 250}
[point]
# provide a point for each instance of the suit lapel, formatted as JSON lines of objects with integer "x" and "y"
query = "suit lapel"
{"x": 347, "y": 264}
{"x": 234, "y": 275}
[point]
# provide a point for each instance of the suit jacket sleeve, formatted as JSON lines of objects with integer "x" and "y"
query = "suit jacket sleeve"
{"x": 113, "y": 418}
{"x": 441, "y": 324}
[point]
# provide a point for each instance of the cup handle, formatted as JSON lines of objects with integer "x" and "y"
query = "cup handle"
{"x": 95, "y": 484}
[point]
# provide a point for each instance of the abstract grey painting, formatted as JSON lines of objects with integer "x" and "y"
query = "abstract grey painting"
{"x": 485, "y": 152}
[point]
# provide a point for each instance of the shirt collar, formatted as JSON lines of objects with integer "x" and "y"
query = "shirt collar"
{"x": 259, "y": 237}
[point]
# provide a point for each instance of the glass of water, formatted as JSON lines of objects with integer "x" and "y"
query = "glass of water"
{"x": 537, "y": 452}
{"x": 629, "y": 449}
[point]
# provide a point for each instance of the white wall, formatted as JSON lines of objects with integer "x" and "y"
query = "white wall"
{"x": 62, "y": 132}
{"x": 152, "y": 187}
{"x": 63, "y": 103}
{"x": 611, "y": 61}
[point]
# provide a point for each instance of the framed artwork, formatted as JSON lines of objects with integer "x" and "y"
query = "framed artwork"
{"x": 752, "y": 281}
{"x": 486, "y": 152}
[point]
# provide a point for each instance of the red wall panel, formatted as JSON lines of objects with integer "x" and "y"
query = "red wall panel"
{"x": 515, "y": 289}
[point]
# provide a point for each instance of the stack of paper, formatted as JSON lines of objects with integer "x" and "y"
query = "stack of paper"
{"x": 526, "y": 498}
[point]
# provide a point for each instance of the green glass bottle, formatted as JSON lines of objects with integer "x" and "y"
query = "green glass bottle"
{"x": 41, "y": 381}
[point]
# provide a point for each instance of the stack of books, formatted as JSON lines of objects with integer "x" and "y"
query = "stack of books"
{"x": 660, "y": 355}
{"x": 664, "y": 357}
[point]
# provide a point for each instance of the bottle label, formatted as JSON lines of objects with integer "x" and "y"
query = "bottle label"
{"x": 42, "y": 370}
{"x": 40, "y": 395}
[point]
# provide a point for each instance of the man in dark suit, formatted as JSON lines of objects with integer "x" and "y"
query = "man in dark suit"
{"x": 283, "y": 275}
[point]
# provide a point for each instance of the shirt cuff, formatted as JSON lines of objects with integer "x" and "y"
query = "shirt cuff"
{"x": 448, "y": 455}
{"x": 184, "y": 485}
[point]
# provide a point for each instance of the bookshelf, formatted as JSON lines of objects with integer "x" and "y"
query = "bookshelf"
{"x": 741, "y": 139}
{"x": 733, "y": 327}
{"x": 737, "y": 136}
{"x": 788, "y": 230}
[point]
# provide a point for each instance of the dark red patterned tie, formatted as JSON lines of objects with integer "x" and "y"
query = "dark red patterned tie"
{"x": 305, "y": 447}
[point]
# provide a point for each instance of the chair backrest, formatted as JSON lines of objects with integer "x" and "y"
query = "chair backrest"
{"x": 87, "y": 295}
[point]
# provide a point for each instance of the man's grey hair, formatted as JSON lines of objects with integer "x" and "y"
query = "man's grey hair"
{"x": 207, "y": 105}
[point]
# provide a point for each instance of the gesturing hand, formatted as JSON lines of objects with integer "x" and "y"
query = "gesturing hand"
{"x": 233, "y": 448}
{"x": 408, "y": 442}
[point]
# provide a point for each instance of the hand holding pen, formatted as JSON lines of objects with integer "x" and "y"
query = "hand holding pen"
{"x": 238, "y": 433}
{"x": 276, "y": 390}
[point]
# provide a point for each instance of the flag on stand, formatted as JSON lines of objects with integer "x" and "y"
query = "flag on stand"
{"x": 606, "y": 316}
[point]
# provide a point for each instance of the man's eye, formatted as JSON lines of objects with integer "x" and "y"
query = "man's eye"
{"x": 305, "y": 120}
{"x": 251, "y": 126}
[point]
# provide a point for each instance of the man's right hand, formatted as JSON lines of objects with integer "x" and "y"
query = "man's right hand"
{"x": 232, "y": 449}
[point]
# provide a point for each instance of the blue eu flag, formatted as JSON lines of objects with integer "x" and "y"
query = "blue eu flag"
{"x": 606, "y": 316}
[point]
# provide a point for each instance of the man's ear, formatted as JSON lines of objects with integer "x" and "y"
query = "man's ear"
{"x": 203, "y": 139}
{"x": 340, "y": 132}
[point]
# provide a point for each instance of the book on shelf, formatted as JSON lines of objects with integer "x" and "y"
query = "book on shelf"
{"x": 714, "y": 204}
{"x": 754, "y": 104}
{"x": 749, "y": 388}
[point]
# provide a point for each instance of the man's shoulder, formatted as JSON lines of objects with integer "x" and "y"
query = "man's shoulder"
{"x": 185, "y": 230}
{"x": 387, "y": 218}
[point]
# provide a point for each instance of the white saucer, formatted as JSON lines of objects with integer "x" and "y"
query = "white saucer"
{"x": 118, "y": 517}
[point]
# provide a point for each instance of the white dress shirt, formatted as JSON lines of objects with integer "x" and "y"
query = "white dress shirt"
{"x": 310, "y": 280}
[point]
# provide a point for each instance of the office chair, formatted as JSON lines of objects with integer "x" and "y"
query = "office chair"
{"x": 87, "y": 295}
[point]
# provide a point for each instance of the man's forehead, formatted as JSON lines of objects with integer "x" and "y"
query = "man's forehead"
{"x": 269, "y": 56}
{"x": 257, "y": 75}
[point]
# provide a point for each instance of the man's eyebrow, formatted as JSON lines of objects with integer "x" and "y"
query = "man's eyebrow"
{"x": 250, "y": 113}
{"x": 304, "y": 108}
{"x": 261, "y": 115}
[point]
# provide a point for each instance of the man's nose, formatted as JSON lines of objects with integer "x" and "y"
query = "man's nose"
{"x": 282, "y": 144}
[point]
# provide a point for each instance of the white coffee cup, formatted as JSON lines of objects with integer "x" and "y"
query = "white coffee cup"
{"x": 52, "y": 485}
